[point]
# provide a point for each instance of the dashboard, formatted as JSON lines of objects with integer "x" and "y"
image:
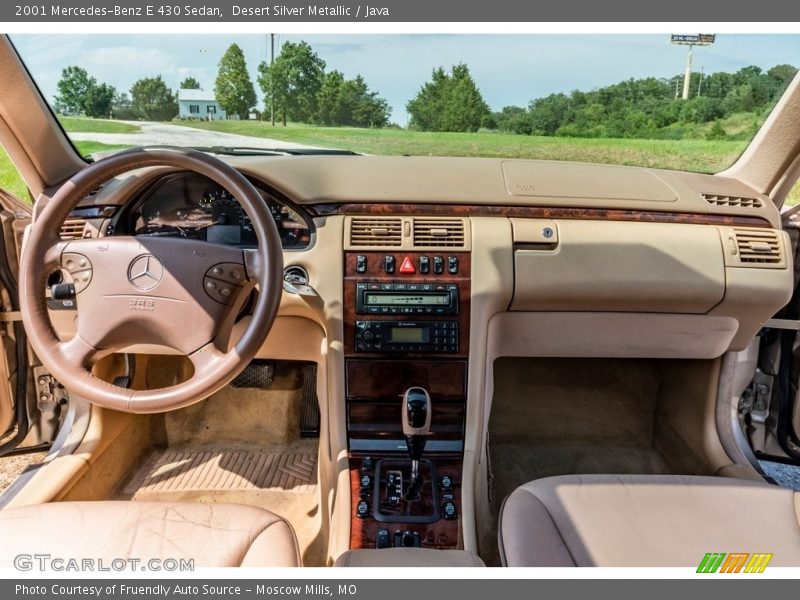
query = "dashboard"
{"x": 191, "y": 206}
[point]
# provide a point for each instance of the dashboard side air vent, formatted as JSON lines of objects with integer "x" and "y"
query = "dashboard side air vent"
{"x": 733, "y": 201}
{"x": 438, "y": 233}
{"x": 376, "y": 232}
{"x": 73, "y": 229}
{"x": 758, "y": 246}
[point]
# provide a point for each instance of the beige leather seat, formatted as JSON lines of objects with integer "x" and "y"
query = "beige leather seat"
{"x": 642, "y": 520}
{"x": 214, "y": 535}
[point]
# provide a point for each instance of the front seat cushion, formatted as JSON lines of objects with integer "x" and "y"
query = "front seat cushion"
{"x": 646, "y": 520}
{"x": 214, "y": 535}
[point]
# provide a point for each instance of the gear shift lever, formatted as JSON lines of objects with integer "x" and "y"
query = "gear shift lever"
{"x": 416, "y": 427}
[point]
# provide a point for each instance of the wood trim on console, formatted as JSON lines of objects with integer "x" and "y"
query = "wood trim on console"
{"x": 376, "y": 274}
{"x": 441, "y": 535}
{"x": 543, "y": 212}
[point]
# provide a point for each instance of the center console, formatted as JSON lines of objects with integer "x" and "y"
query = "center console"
{"x": 406, "y": 333}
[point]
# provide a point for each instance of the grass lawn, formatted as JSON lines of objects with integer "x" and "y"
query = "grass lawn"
{"x": 11, "y": 182}
{"x": 693, "y": 155}
{"x": 87, "y": 125}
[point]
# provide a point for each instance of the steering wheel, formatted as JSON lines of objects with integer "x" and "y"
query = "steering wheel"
{"x": 178, "y": 293}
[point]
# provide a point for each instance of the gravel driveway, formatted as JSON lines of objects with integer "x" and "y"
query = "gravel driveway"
{"x": 157, "y": 134}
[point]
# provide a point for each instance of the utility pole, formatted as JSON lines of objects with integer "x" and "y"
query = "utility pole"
{"x": 700, "y": 83}
{"x": 702, "y": 39}
{"x": 687, "y": 77}
{"x": 272, "y": 78}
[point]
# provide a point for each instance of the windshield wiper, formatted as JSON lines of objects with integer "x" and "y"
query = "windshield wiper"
{"x": 248, "y": 151}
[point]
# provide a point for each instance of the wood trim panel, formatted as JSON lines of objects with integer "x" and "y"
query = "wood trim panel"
{"x": 375, "y": 273}
{"x": 543, "y": 212}
{"x": 442, "y": 535}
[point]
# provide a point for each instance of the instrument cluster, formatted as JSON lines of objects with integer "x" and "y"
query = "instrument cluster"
{"x": 194, "y": 207}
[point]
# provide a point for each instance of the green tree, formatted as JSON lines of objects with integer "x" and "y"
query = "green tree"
{"x": 293, "y": 82}
{"x": 428, "y": 106}
{"x": 98, "y": 99}
{"x": 122, "y": 107}
{"x": 330, "y": 110}
{"x": 343, "y": 101}
{"x": 72, "y": 89}
{"x": 151, "y": 99}
{"x": 448, "y": 102}
{"x": 190, "y": 83}
{"x": 548, "y": 114}
{"x": 513, "y": 119}
{"x": 233, "y": 88}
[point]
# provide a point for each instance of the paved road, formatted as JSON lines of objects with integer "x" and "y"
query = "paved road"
{"x": 176, "y": 135}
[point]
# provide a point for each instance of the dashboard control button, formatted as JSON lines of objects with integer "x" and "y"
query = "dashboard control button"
{"x": 452, "y": 265}
{"x": 382, "y": 539}
{"x": 438, "y": 265}
{"x": 446, "y": 482}
{"x": 388, "y": 263}
{"x": 449, "y": 510}
{"x": 407, "y": 266}
{"x": 424, "y": 264}
{"x": 361, "y": 264}
{"x": 362, "y": 509}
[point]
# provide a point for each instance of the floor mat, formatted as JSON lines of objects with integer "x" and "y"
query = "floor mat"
{"x": 177, "y": 470}
{"x": 787, "y": 476}
{"x": 12, "y": 466}
{"x": 280, "y": 479}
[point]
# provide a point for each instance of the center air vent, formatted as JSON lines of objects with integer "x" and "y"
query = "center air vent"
{"x": 733, "y": 201}
{"x": 381, "y": 232}
{"x": 438, "y": 233}
{"x": 73, "y": 229}
{"x": 759, "y": 246}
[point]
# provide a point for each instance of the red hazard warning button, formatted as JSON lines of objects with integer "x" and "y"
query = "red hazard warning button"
{"x": 407, "y": 266}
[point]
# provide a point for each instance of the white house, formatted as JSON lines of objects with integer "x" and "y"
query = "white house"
{"x": 199, "y": 104}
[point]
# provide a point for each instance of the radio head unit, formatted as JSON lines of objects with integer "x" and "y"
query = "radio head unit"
{"x": 407, "y": 298}
{"x": 406, "y": 336}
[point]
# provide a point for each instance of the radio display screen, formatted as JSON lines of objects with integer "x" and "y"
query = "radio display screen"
{"x": 411, "y": 335}
{"x": 388, "y": 299}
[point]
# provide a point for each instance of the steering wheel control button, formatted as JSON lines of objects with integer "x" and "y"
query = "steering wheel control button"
{"x": 407, "y": 266}
{"x": 145, "y": 272}
{"x": 79, "y": 268}
{"x": 222, "y": 281}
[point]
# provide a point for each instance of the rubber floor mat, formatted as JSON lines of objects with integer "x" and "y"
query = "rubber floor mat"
{"x": 176, "y": 470}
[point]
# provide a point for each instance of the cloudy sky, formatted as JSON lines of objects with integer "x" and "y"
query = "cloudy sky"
{"x": 509, "y": 69}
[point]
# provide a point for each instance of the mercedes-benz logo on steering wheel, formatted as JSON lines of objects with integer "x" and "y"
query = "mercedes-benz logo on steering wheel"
{"x": 145, "y": 272}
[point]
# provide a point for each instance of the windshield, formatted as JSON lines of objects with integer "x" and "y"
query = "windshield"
{"x": 688, "y": 102}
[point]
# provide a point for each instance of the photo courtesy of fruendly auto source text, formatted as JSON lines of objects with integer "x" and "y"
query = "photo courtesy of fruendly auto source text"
{"x": 390, "y": 299}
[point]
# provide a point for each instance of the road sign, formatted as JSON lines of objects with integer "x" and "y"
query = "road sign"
{"x": 701, "y": 39}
